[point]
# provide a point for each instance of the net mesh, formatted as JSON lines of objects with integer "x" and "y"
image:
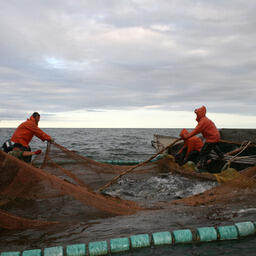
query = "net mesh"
{"x": 234, "y": 190}
{"x": 61, "y": 174}
{"x": 57, "y": 173}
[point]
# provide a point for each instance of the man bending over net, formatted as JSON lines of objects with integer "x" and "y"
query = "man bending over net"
{"x": 24, "y": 134}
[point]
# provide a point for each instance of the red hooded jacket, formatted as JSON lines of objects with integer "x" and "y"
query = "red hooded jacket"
{"x": 26, "y": 130}
{"x": 205, "y": 126}
{"x": 192, "y": 144}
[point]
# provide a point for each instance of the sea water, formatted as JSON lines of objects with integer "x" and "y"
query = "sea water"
{"x": 100, "y": 143}
{"x": 130, "y": 144}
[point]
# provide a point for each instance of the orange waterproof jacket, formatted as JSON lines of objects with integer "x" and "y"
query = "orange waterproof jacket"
{"x": 205, "y": 126}
{"x": 192, "y": 144}
{"x": 25, "y": 132}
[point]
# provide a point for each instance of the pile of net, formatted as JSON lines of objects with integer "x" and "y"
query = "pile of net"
{"x": 60, "y": 175}
{"x": 239, "y": 189}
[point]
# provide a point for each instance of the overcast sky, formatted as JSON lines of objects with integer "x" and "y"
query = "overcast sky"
{"x": 127, "y": 63}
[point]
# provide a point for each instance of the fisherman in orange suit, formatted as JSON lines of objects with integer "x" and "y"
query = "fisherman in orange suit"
{"x": 209, "y": 132}
{"x": 26, "y": 130}
{"x": 190, "y": 150}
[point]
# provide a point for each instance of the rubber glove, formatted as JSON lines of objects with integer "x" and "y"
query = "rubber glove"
{"x": 39, "y": 151}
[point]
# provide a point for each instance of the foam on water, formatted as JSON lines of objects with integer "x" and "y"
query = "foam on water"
{"x": 163, "y": 187}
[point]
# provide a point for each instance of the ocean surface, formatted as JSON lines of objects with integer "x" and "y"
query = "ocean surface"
{"x": 100, "y": 143}
{"x": 130, "y": 144}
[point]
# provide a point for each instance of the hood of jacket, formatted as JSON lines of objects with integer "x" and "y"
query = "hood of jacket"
{"x": 183, "y": 133}
{"x": 200, "y": 112}
{"x": 33, "y": 120}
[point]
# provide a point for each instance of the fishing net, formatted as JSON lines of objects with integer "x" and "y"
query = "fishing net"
{"x": 235, "y": 189}
{"x": 60, "y": 175}
{"x": 233, "y": 185}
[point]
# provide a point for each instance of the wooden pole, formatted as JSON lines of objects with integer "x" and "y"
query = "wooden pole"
{"x": 136, "y": 166}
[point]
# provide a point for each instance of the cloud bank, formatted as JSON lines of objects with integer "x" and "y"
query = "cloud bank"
{"x": 94, "y": 56}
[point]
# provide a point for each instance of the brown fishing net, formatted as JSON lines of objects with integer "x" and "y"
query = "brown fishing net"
{"x": 233, "y": 185}
{"x": 61, "y": 174}
{"x": 238, "y": 189}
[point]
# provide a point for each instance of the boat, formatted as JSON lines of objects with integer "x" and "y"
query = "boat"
{"x": 238, "y": 145}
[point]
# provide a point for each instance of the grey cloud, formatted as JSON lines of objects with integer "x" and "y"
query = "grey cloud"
{"x": 64, "y": 55}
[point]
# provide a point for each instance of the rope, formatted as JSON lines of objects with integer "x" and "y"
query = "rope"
{"x": 236, "y": 156}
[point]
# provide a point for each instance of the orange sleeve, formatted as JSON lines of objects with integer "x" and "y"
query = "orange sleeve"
{"x": 197, "y": 130}
{"x": 38, "y": 132}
